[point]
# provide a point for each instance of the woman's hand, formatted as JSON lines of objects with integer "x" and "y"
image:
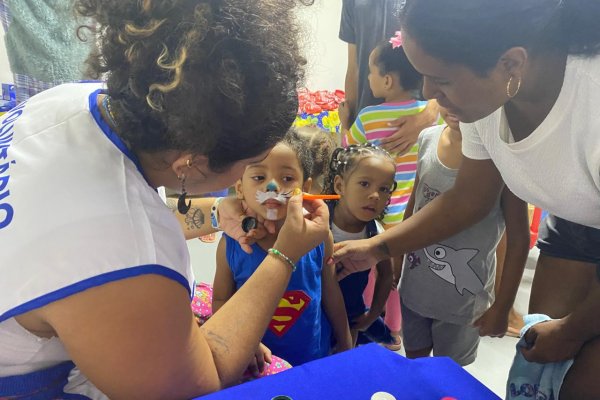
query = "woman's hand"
{"x": 551, "y": 341}
{"x": 231, "y": 213}
{"x": 302, "y": 232}
{"x": 356, "y": 255}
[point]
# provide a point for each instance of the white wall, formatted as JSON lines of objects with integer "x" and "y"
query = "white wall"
{"x": 325, "y": 52}
{"x": 5, "y": 74}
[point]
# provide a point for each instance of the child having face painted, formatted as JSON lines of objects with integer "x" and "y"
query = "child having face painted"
{"x": 311, "y": 309}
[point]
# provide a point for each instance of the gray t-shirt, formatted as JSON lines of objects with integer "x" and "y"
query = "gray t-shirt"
{"x": 366, "y": 23}
{"x": 451, "y": 281}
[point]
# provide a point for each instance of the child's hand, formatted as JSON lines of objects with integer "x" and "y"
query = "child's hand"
{"x": 262, "y": 356}
{"x": 302, "y": 232}
{"x": 231, "y": 213}
{"x": 362, "y": 322}
{"x": 494, "y": 322}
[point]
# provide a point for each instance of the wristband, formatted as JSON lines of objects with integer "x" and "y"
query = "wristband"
{"x": 214, "y": 214}
{"x": 282, "y": 256}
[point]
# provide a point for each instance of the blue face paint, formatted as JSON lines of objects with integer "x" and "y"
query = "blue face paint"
{"x": 271, "y": 187}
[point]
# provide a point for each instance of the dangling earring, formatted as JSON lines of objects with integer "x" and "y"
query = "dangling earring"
{"x": 508, "y": 85}
{"x": 182, "y": 207}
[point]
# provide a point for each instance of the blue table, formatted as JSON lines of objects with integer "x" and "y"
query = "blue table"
{"x": 359, "y": 373}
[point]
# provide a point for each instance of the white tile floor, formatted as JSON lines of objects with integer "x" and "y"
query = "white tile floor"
{"x": 494, "y": 355}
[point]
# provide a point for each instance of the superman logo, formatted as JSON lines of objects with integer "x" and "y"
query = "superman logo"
{"x": 290, "y": 309}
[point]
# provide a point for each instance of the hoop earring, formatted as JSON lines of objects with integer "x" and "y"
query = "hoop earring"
{"x": 182, "y": 207}
{"x": 508, "y": 85}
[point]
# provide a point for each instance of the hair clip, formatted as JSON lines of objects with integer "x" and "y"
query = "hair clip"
{"x": 396, "y": 40}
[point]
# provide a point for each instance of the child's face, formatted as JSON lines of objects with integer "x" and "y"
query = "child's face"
{"x": 377, "y": 82}
{"x": 279, "y": 173}
{"x": 367, "y": 190}
{"x": 450, "y": 119}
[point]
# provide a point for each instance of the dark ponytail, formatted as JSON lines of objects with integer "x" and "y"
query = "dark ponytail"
{"x": 475, "y": 33}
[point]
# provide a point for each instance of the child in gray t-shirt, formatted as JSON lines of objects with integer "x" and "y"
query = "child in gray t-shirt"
{"x": 447, "y": 288}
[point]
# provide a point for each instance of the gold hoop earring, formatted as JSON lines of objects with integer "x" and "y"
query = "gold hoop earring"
{"x": 509, "y": 84}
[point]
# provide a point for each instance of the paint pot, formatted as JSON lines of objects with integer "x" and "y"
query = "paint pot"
{"x": 382, "y": 396}
{"x": 249, "y": 223}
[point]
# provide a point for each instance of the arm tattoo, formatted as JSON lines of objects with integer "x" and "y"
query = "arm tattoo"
{"x": 194, "y": 219}
{"x": 172, "y": 204}
{"x": 220, "y": 345}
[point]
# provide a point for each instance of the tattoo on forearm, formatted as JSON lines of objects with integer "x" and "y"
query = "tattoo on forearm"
{"x": 221, "y": 344}
{"x": 194, "y": 219}
{"x": 172, "y": 204}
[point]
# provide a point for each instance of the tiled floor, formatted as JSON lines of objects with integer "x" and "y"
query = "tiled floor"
{"x": 494, "y": 355}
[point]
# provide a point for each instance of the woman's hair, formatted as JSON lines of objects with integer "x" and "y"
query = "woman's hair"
{"x": 300, "y": 145}
{"x": 213, "y": 77}
{"x": 391, "y": 60}
{"x": 344, "y": 161}
{"x": 476, "y": 33}
{"x": 321, "y": 144}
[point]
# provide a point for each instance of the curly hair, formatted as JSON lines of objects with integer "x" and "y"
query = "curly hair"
{"x": 321, "y": 144}
{"x": 213, "y": 77}
{"x": 344, "y": 161}
{"x": 300, "y": 145}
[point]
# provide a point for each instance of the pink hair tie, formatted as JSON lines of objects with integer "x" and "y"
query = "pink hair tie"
{"x": 396, "y": 40}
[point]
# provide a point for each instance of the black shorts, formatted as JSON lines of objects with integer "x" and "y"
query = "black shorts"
{"x": 563, "y": 239}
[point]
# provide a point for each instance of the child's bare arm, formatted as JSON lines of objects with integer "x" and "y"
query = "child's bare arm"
{"x": 408, "y": 212}
{"x": 495, "y": 321}
{"x": 383, "y": 283}
{"x": 517, "y": 247}
{"x": 223, "y": 284}
{"x": 333, "y": 302}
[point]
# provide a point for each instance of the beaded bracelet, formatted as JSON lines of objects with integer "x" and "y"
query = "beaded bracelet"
{"x": 285, "y": 258}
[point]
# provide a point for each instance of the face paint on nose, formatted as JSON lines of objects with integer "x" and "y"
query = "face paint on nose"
{"x": 272, "y": 199}
{"x": 272, "y": 187}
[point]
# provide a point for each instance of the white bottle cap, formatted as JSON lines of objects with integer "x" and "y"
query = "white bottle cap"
{"x": 382, "y": 396}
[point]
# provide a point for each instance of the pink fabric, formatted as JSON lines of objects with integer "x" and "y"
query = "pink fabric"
{"x": 393, "y": 315}
{"x": 202, "y": 302}
{"x": 202, "y": 309}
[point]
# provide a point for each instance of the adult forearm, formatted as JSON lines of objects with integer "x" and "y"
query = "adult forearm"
{"x": 235, "y": 331}
{"x": 445, "y": 216}
{"x": 196, "y": 222}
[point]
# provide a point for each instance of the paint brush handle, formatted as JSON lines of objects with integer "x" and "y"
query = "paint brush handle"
{"x": 309, "y": 196}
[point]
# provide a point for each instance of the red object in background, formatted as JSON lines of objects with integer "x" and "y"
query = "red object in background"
{"x": 535, "y": 226}
{"x": 319, "y": 101}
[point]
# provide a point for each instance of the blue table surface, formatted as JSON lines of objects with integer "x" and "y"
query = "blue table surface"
{"x": 358, "y": 373}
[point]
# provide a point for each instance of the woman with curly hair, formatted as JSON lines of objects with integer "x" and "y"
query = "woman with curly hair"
{"x": 195, "y": 90}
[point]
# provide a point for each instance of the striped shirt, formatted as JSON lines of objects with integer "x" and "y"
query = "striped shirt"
{"x": 371, "y": 126}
